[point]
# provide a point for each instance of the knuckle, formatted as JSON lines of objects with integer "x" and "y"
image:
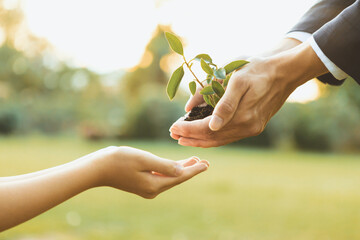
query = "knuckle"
{"x": 112, "y": 150}
{"x": 247, "y": 118}
{"x": 185, "y": 131}
{"x": 256, "y": 130}
{"x": 150, "y": 188}
{"x": 239, "y": 81}
{"x": 205, "y": 146}
{"x": 210, "y": 134}
{"x": 226, "y": 108}
{"x": 196, "y": 144}
{"x": 149, "y": 196}
{"x": 124, "y": 148}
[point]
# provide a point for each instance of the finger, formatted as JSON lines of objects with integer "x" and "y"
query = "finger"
{"x": 163, "y": 166}
{"x": 206, "y": 162}
{"x": 189, "y": 162}
{"x": 185, "y": 163}
{"x": 192, "y": 129}
{"x": 226, "y": 107}
{"x": 174, "y": 136}
{"x": 188, "y": 173}
{"x": 194, "y": 101}
{"x": 191, "y": 142}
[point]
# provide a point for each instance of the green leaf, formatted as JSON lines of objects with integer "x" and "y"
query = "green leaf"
{"x": 204, "y": 56}
{"x": 226, "y": 81}
{"x": 174, "y": 82}
{"x": 218, "y": 89}
{"x": 208, "y": 100}
{"x": 220, "y": 73}
{"x": 216, "y": 98}
{"x": 174, "y": 43}
{"x": 207, "y": 90}
{"x": 209, "y": 78}
{"x": 192, "y": 86}
{"x": 234, "y": 65}
{"x": 206, "y": 67}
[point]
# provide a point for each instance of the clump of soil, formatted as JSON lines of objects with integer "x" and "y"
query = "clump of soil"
{"x": 199, "y": 112}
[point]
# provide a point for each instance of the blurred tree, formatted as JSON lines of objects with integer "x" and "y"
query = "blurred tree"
{"x": 329, "y": 123}
{"x": 149, "y": 112}
{"x": 38, "y": 92}
{"x": 147, "y": 75}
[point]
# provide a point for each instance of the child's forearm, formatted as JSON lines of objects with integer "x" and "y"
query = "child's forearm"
{"x": 37, "y": 173}
{"x": 27, "y": 197}
{"x": 128, "y": 169}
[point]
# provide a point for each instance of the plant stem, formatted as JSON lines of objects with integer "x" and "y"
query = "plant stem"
{"x": 187, "y": 64}
{"x": 214, "y": 65}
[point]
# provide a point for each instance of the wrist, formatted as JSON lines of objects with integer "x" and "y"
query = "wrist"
{"x": 95, "y": 170}
{"x": 296, "y": 66}
{"x": 101, "y": 165}
{"x": 284, "y": 45}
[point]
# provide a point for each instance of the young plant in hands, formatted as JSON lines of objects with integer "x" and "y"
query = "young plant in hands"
{"x": 212, "y": 87}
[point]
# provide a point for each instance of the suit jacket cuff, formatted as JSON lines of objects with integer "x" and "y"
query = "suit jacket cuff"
{"x": 333, "y": 69}
{"x": 340, "y": 40}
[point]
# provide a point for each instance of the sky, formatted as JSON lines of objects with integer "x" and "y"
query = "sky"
{"x": 108, "y": 35}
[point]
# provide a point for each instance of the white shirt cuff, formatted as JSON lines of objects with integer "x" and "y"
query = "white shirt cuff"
{"x": 301, "y": 36}
{"x": 333, "y": 69}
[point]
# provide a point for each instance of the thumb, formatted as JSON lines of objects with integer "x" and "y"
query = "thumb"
{"x": 226, "y": 107}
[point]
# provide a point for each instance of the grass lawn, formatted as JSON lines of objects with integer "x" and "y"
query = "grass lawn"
{"x": 246, "y": 194}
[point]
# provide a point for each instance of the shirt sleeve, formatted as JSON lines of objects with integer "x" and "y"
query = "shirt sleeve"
{"x": 314, "y": 19}
{"x": 299, "y": 35}
{"x": 307, "y": 37}
{"x": 333, "y": 69}
{"x": 339, "y": 40}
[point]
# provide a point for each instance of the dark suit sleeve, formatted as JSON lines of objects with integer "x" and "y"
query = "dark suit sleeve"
{"x": 339, "y": 39}
{"x": 316, "y": 20}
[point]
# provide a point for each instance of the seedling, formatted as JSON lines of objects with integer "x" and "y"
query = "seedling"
{"x": 213, "y": 87}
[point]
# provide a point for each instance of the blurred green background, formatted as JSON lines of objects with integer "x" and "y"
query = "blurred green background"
{"x": 247, "y": 193}
{"x": 299, "y": 179}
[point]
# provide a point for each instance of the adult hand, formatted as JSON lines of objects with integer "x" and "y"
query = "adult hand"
{"x": 254, "y": 94}
{"x": 143, "y": 173}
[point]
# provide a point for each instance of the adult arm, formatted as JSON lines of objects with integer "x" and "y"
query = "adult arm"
{"x": 254, "y": 94}
{"x": 339, "y": 40}
{"x": 124, "y": 168}
{"x": 335, "y": 31}
{"x": 231, "y": 122}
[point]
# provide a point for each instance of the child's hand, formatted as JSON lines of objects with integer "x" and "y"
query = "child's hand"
{"x": 141, "y": 172}
{"x": 124, "y": 168}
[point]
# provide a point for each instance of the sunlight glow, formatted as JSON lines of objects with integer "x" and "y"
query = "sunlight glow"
{"x": 305, "y": 93}
{"x": 108, "y": 35}
{"x": 102, "y": 35}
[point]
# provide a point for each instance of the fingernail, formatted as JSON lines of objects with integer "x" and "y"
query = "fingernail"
{"x": 206, "y": 163}
{"x": 178, "y": 170}
{"x": 203, "y": 166}
{"x": 215, "y": 123}
{"x": 196, "y": 158}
